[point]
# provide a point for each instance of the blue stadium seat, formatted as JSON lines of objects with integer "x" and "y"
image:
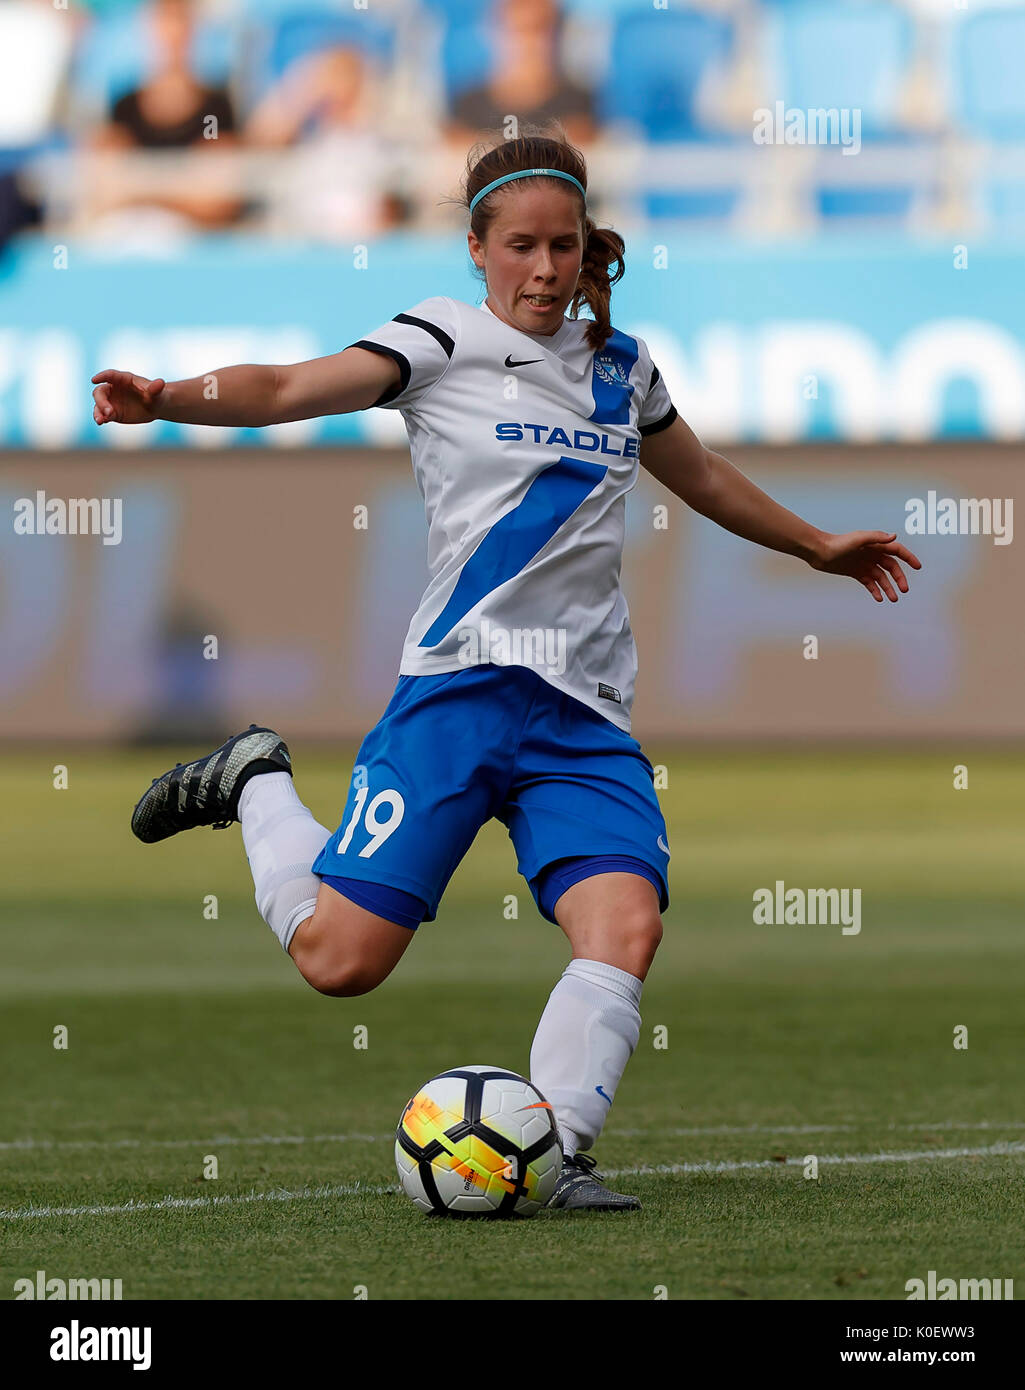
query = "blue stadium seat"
{"x": 603, "y": 9}
{"x": 14, "y": 156}
{"x": 658, "y": 60}
{"x": 691, "y": 205}
{"x": 1003, "y": 201}
{"x": 452, "y": 11}
{"x": 850, "y": 55}
{"x": 466, "y": 54}
{"x": 893, "y": 203}
{"x": 842, "y": 54}
{"x": 271, "y": 11}
{"x": 987, "y": 90}
{"x": 106, "y": 7}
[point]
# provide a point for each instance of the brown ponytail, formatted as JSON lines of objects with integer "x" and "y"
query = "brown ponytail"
{"x": 546, "y": 147}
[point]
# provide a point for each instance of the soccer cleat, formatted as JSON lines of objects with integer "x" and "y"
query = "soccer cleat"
{"x": 206, "y": 792}
{"x": 580, "y": 1188}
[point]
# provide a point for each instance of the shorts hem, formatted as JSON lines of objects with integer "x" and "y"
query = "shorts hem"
{"x": 407, "y": 885}
{"x": 533, "y": 882}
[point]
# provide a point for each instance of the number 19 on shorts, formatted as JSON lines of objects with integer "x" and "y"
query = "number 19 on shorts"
{"x": 378, "y": 830}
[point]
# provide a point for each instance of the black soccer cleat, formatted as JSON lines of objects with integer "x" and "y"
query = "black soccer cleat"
{"x": 206, "y": 792}
{"x": 581, "y": 1188}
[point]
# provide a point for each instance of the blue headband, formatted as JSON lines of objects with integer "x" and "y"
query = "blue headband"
{"x": 527, "y": 174}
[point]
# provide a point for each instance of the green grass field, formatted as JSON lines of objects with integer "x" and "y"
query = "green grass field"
{"x": 189, "y": 1037}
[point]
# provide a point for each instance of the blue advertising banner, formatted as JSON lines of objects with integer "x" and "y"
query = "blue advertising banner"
{"x": 863, "y": 341}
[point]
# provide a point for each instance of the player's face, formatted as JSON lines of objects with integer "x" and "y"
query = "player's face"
{"x": 532, "y": 257}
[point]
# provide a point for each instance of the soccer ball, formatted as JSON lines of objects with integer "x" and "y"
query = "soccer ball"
{"x": 478, "y": 1141}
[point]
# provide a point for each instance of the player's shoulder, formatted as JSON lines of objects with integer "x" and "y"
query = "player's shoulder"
{"x": 439, "y": 317}
{"x": 631, "y": 342}
{"x": 441, "y": 310}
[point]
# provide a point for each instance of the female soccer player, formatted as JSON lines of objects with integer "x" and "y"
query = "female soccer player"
{"x": 526, "y": 431}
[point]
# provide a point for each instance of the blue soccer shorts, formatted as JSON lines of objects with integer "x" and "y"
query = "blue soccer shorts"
{"x": 453, "y": 750}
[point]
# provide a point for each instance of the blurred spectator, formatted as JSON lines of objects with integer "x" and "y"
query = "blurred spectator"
{"x": 172, "y": 110}
{"x": 527, "y": 80}
{"x": 333, "y": 186}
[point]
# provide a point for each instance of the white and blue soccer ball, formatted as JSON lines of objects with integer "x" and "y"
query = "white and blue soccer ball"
{"x": 478, "y": 1141}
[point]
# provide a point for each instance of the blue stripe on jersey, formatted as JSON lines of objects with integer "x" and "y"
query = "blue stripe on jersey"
{"x": 610, "y": 380}
{"x": 516, "y": 538}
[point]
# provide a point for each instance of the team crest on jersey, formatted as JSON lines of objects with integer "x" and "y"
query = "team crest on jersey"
{"x": 609, "y": 370}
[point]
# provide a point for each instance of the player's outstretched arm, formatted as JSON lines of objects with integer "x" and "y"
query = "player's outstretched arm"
{"x": 250, "y": 395}
{"x": 717, "y": 489}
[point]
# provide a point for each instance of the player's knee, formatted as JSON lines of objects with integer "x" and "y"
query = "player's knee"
{"x": 628, "y": 941}
{"x": 338, "y": 977}
{"x": 634, "y": 937}
{"x": 642, "y": 935}
{"x": 327, "y": 966}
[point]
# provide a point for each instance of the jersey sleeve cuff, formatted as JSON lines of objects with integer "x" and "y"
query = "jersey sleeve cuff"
{"x": 655, "y": 428}
{"x": 404, "y": 369}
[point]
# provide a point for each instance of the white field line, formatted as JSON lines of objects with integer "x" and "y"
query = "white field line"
{"x": 220, "y": 1141}
{"x": 728, "y": 1166}
{"x": 351, "y": 1189}
{"x": 358, "y": 1189}
{"x": 824, "y": 1129}
{"x": 227, "y": 1140}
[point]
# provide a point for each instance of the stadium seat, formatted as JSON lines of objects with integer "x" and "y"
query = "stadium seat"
{"x": 465, "y": 55}
{"x": 661, "y": 58}
{"x": 271, "y": 11}
{"x": 14, "y": 156}
{"x": 452, "y": 11}
{"x": 855, "y": 57}
{"x": 852, "y": 55}
{"x": 1001, "y": 200}
{"x": 987, "y": 90}
{"x": 690, "y": 205}
{"x": 603, "y": 9}
{"x": 651, "y": 88}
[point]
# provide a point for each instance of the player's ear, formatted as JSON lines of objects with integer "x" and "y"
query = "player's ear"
{"x": 476, "y": 249}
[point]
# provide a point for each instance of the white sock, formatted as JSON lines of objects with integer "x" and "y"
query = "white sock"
{"x": 282, "y": 840}
{"x": 587, "y": 1034}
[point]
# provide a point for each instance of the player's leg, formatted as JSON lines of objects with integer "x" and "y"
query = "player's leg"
{"x": 344, "y": 949}
{"x": 426, "y": 774}
{"x": 590, "y": 838}
{"x": 614, "y": 918}
{"x": 350, "y": 902}
{"x": 591, "y": 1024}
{"x": 614, "y": 925}
{"x": 339, "y": 946}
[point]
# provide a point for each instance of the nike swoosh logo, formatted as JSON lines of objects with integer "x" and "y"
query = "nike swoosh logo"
{"x": 662, "y": 845}
{"x": 603, "y": 1095}
{"x": 529, "y": 362}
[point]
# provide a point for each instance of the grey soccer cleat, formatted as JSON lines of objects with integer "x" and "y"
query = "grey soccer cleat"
{"x": 206, "y": 792}
{"x": 581, "y": 1188}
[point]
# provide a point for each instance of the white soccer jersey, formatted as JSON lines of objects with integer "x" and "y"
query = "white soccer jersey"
{"x": 524, "y": 448}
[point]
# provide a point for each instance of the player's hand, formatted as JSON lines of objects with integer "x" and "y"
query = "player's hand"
{"x": 125, "y": 399}
{"x": 871, "y": 557}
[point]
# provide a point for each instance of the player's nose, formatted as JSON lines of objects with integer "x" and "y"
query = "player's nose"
{"x": 544, "y": 266}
